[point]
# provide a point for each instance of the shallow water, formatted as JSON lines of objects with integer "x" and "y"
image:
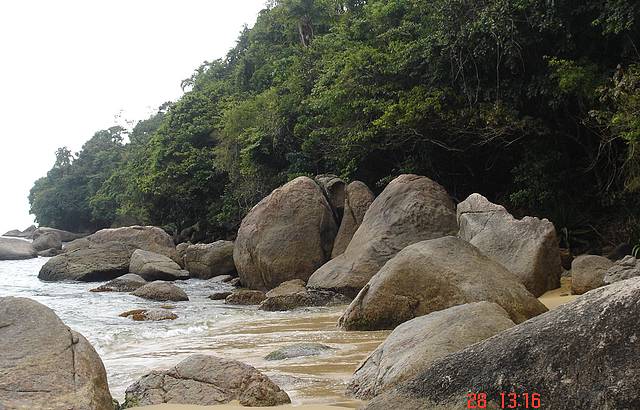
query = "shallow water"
{"x": 130, "y": 349}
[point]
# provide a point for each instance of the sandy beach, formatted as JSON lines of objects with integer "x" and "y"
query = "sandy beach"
{"x": 560, "y": 296}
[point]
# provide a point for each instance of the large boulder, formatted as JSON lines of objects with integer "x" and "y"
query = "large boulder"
{"x": 106, "y": 254}
{"x": 587, "y": 273}
{"x": 63, "y": 236}
{"x": 16, "y": 249}
{"x": 411, "y": 209}
{"x": 358, "y": 198}
{"x": 95, "y": 263}
{"x": 47, "y": 241}
{"x": 154, "y": 266}
{"x": 206, "y": 380}
{"x": 434, "y": 275}
{"x": 582, "y": 355}
{"x": 626, "y": 268}
{"x": 44, "y": 364}
{"x": 206, "y": 261}
{"x": 17, "y": 233}
{"x": 415, "y": 344}
{"x": 527, "y": 247}
{"x": 124, "y": 283}
{"x": 161, "y": 291}
{"x": 287, "y": 235}
{"x": 334, "y": 189}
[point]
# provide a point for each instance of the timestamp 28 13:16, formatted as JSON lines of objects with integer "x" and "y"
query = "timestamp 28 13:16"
{"x": 507, "y": 400}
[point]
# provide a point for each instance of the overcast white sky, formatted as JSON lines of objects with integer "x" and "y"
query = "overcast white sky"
{"x": 68, "y": 67}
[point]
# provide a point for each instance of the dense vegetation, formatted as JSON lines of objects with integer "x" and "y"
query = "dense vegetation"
{"x": 533, "y": 103}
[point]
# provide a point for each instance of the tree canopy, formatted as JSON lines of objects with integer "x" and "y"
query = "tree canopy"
{"x": 533, "y": 103}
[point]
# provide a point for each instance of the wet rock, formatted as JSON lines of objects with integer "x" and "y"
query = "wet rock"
{"x": 154, "y": 266}
{"x": 416, "y": 344}
{"x": 125, "y": 283}
{"x": 433, "y": 275}
{"x": 16, "y": 249}
{"x": 205, "y": 261}
{"x": 221, "y": 279}
{"x": 582, "y": 355}
{"x": 587, "y": 273}
{"x": 411, "y": 209}
{"x": 156, "y": 315}
{"x": 293, "y": 294}
{"x": 161, "y": 291}
{"x": 527, "y": 247}
{"x": 235, "y": 282}
{"x": 287, "y": 235}
{"x": 206, "y": 380}
{"x": 626, "y": 268}
{"x": 358, "y": 198}
{"x": 299, "y": 350}
{"x": 44, "y": 364}
{"x": 245, "y": 297}
{"x": 220, "y": 295}
{"x": 47, "y": 241}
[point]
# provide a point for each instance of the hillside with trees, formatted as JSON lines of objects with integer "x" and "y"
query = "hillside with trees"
{"x": 534, "y": 103}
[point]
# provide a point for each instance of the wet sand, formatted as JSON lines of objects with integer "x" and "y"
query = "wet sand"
{"x": 560, "y": 296}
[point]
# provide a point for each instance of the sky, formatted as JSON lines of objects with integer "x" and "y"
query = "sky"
{"x": 70, "y": 68}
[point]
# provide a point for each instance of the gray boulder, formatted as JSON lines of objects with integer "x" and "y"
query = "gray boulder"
{"x": 16, "y": 249}
{"x": 221, "y": 295}
{"x": 334, "y": 190}
{"x": 63, "y": 236}
{"x": 358, "y": 198}
{"x": 206, "y": 380}
{"x": 154, "y": 266}
{"x": 416, "y": 344}
{"x": 205, "y": 261}
{"x": 582, "y": 355}
{"x": 161, "y": 291}
{"x": 181, "y": 250}
{"x": 16, "y": 233}
{"x": 44, "y": 364}
{"x": 106, "y": 254}
{"x": 411, "y": 209}
{"x": 527, "y": 247}
{"x": 245, "y": 297}
{"x": 125, "y": 283}
{"x": 299, "y": 350}
{"x": 47, "y": 241}
{"x": 626, "y": 268}
{"x": 50, "y": 253}
{"x": 587, "y": 273}
{"x": 433, "y": 275}
{"x": 287, "y": 235}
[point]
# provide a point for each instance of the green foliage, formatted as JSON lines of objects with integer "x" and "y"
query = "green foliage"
{"x": 516, "y": 99}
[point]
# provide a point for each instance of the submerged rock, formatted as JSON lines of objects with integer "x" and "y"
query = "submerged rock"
{"x": 287, "y": 235}
{"x": 358, "y": 198}
{"x": 205, "y": 261}
{"x": 125, "y": 283}
{"x": 587, "y": 273}
{"x": 161, "y": 291}
{"x": 299, "y": 350}
{"x": 206, "y": 380}
{"x": 411, "y": 209}
{"x": 582, "y": 355}
{"x": 154, "y": 266}
{"x": 245, "y": 297}
{"x": 44, "y": 364}
{"x": 434, "y": 275}
{"x": 16, "y": 249}
{"x": 527, "y": 247}
{"x": 416, "y": 344}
